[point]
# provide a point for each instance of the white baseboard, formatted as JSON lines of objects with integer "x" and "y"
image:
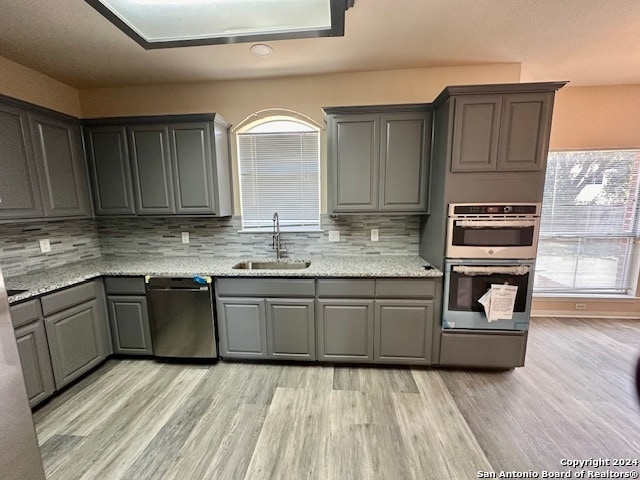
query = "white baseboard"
{"x": 584, "y": 314}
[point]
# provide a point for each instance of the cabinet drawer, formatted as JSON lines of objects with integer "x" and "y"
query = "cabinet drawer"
{"x": 125, "y": 285}
{"x": 405, "y": 288}
{"x": 25, "y": 313}
{"x": 346, "y": 288}
{"x": 265, "y": 287}
{"x": 483, "y": 350}
{"x": 58, "y": 301}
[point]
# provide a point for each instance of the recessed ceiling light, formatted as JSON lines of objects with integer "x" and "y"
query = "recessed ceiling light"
{"x": 183, "y": 23}
{"x": 261, "y": 50}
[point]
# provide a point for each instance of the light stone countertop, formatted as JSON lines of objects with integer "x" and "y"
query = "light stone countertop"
{"x": 353, "y": 266}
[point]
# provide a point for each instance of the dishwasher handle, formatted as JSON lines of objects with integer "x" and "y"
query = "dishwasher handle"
{"x": 195, "y": 283}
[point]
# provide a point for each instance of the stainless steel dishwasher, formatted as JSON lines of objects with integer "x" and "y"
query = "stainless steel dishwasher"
{"x": 181, "y": 317}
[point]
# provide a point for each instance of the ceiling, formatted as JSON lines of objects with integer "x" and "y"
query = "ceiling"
{"x": 589, "y": 42}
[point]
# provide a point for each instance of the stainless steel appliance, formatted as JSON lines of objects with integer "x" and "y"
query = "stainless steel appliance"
{"x": 466, "y": 281}
{"x": 181, "y": 317}
{"x": 493, "y": 230}
{"x": 20, "y": 457}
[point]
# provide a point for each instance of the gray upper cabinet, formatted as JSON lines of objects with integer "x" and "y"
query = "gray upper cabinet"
{"x": 152, "y": 174}
{"x": 379, "y": 159}
{"x": 169, "y": 165}
{"x": 19, "y": 189}
{"x": 61, "y": 168}
{"x": 476, "y": 132}
{"x": 108, "y": 157}
{"x": 355, "y": 151}
{"x": 501, "y": 132}
{"x": 404, "y": 171}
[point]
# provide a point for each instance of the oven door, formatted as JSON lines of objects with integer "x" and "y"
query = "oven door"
{"x": 502, "y": 238}
{"x": 467, "y": 281}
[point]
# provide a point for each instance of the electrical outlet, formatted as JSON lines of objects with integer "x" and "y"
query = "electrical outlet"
{"x": 375, "y": 235}
{"x": 185, "y": 237}
{"x": 581, "y": 306}
{"x": 334, "y": 235}
{"x": 45, "y": 245}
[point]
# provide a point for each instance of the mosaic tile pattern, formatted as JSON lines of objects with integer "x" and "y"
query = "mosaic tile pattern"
{"x": 74, "y": 240}
{"x": 399, "y": 235}
{"x": 71, "y": 241}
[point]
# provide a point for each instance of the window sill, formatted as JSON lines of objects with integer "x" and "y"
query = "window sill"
{"x": 590, "y": 296}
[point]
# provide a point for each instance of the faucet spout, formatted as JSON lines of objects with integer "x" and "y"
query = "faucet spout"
{"x": 276, "y": 236}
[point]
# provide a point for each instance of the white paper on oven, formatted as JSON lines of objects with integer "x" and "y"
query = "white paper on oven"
{"x": 485, "y": 301}
{"x": 503, "y": 300}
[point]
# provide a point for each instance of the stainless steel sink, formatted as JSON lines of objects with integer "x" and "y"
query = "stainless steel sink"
{"x": 294, "y": 265}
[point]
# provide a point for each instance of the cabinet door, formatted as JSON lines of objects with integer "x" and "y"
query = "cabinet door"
{"x": 19, "y": 189}
{"x": 152, "y": 177}
{"x": 291, "y": 329}
{"x": 108, "y": 157}
{"x": 193, "y": 168}
{"x": 345, "y": 330}
{"x": 476, "y": 131}
{"x": 404, "y": 166}
{"x": 129, "y": 320}
{"x": 242, "y": 328}
{"x": 75, "y": 341}
{"x": 36, "y": 364}
{"x": 354, "y": 164}
{"x": 524, "y": 131}
{"x": 61, "y": 167}
{"x": 403, "y": 331}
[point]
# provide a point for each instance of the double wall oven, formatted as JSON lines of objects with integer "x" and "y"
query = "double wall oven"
{"x": 489, "y": 244}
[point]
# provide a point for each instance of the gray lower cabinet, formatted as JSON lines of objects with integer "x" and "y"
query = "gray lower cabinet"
{"x": 129, "y": 319}
{"x": 266, "y": 318}
{"x": 77, "y": 330}
{"x": 128, "y": 315}
{"x": 345, "y": 330}
{"x": 403, "y": 331}
{"x": 378, "y": 159}
{"x": 290, "y": 329}
{"x": 391, "y": 322}
{"x": 19, "y": 189}
{"x": 483, "y": 349}
{"x": 242, "y": 328}
{"x": 61, "y": 167}
{"x": 33, "y": 350}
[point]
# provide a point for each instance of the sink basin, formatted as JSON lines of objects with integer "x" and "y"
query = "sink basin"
{"x": 15, "y": 292}
{"x": 271, "y": 265}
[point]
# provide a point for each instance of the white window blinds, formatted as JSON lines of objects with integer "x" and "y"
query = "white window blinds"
{"x": 589, "y": 223}
{"x": 280, "y": 172}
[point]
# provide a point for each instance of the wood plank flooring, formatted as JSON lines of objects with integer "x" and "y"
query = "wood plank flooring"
{"x": 141, "y": 419}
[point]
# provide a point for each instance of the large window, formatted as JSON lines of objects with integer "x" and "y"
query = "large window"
{"x": 280, "y": 172}
{"x": 589, "y": 223}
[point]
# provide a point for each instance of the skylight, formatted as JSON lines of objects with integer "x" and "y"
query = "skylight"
{"x": 177, "y": 23}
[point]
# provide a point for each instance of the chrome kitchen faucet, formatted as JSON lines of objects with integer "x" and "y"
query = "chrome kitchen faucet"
{"x": 279, "y": 248}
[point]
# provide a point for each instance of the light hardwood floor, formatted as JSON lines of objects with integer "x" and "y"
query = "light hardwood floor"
{"x": 140, "y": 419}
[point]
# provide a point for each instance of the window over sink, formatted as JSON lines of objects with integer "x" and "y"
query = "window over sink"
{"x": 279, "y": 164}
{"x": 589, "y": 225}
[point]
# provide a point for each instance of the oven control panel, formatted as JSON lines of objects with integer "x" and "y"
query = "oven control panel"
{"x": 498, "y": 209}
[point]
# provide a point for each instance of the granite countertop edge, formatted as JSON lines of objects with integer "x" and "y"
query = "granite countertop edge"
{"x": 357, "y": 266}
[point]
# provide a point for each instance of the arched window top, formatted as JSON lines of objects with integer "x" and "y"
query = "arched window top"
{"x": 279, "y": 125}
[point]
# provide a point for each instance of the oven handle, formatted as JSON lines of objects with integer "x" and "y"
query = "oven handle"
{"x": 483, "y": 270}
{"x": 501, "y": 223}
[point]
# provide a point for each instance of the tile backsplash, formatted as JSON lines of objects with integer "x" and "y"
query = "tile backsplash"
{"x": 399, "y": 235}
{"x": 73, "y": 240}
